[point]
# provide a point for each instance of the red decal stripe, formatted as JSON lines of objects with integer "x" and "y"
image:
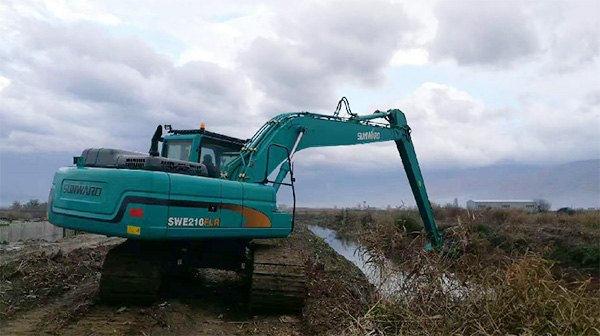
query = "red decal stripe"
{"x": 133, "y": 212}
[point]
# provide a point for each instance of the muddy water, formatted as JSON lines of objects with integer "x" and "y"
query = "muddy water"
{"x": 384, "y": 277}
{"x": 24, "y": 230}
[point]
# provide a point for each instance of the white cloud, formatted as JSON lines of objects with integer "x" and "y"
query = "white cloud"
{"x": 569, "y": 33}
{"x": 561, "y": 35}
{"x": 320, "y": 45}
{"x": 495, "y": 33}
{"x": 409, "y": 57}
{"x": 112, "y": 92}
{"x": 221, "y": 42}
{"x": 452, "y": 128}
{"x": 78, "y": 10}
{"x": 4, "y": 82}
{"x": 113, "y": 70}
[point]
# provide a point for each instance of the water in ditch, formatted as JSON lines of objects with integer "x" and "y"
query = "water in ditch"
{"x": 384, "y": 277}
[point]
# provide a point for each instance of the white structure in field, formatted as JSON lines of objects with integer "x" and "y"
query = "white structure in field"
{"x": 528, "y": 205}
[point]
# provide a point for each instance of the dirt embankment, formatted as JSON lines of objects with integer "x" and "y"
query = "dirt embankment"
{"x": 50, "y": 289}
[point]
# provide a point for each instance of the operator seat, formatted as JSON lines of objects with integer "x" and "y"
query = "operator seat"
{"x": 210, "y": 166}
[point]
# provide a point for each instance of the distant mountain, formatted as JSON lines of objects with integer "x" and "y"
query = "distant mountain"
{"x": 573, "y": 184}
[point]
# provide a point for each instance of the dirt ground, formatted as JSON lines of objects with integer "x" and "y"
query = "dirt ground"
{"x": 50, "y": 289}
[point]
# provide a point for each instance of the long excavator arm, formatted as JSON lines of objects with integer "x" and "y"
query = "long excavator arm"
{"x": 281, "y": 137}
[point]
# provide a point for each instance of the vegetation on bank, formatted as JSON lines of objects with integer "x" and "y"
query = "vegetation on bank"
{"x": 500, "y": 272}
{"x": 570, "y": 240}
{"x": 33, "y": 209}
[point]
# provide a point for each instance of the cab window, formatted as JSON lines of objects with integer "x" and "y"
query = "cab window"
{"x": 216, "y": 156}
{"x": 208, "y": 158}
{"x": 179, "y": 149}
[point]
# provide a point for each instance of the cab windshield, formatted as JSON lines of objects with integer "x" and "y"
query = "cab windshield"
{"x": 216, "y": 156}
{"x": 178, "y": 149}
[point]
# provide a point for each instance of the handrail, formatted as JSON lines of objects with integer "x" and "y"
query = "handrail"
{"x": 292, "y": 179}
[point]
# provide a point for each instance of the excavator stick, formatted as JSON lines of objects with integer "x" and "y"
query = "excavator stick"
{"x": 415, "y": 178}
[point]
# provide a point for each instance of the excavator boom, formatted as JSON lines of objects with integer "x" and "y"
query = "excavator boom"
{"x": 293, "y": 132}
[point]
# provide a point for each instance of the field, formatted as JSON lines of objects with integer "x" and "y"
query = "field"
{"x": 498, "y": 273}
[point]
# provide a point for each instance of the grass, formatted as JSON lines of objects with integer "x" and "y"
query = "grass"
{"x": 499, "y": 273}
{"x": 522, "y": 297}
{"x": 573, "y": 241}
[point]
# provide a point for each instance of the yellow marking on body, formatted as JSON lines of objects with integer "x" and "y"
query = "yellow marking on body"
{"x": 254, "y": 218}
{"x": 135, "y": 230}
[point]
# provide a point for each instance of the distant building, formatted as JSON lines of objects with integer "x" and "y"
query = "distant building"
{"x": 528, "y": 205}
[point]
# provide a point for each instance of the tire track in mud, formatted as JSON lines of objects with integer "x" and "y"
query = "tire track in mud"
{"x": 76, "y": 314}
{"x": 100, "y": 321}
{"x": 49, "y": 318}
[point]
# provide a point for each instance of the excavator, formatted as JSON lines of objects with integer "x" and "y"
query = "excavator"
{"x": 205, "y": 199}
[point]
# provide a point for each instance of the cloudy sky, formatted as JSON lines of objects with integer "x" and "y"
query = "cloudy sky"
{"x": 481, "y": 82}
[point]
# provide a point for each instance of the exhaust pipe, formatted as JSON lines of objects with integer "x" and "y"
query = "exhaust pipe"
{"x": 155, "y": 139}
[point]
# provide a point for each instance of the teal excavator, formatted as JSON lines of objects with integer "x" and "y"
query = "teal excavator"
{"x": 205, "y": 198}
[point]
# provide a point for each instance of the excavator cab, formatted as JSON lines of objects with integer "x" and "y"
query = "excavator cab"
{"x": 213, "y": 150}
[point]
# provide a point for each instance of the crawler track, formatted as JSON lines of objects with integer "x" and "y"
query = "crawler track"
{"x": 131, "y": 274}
{"x": 278, "y": 279}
